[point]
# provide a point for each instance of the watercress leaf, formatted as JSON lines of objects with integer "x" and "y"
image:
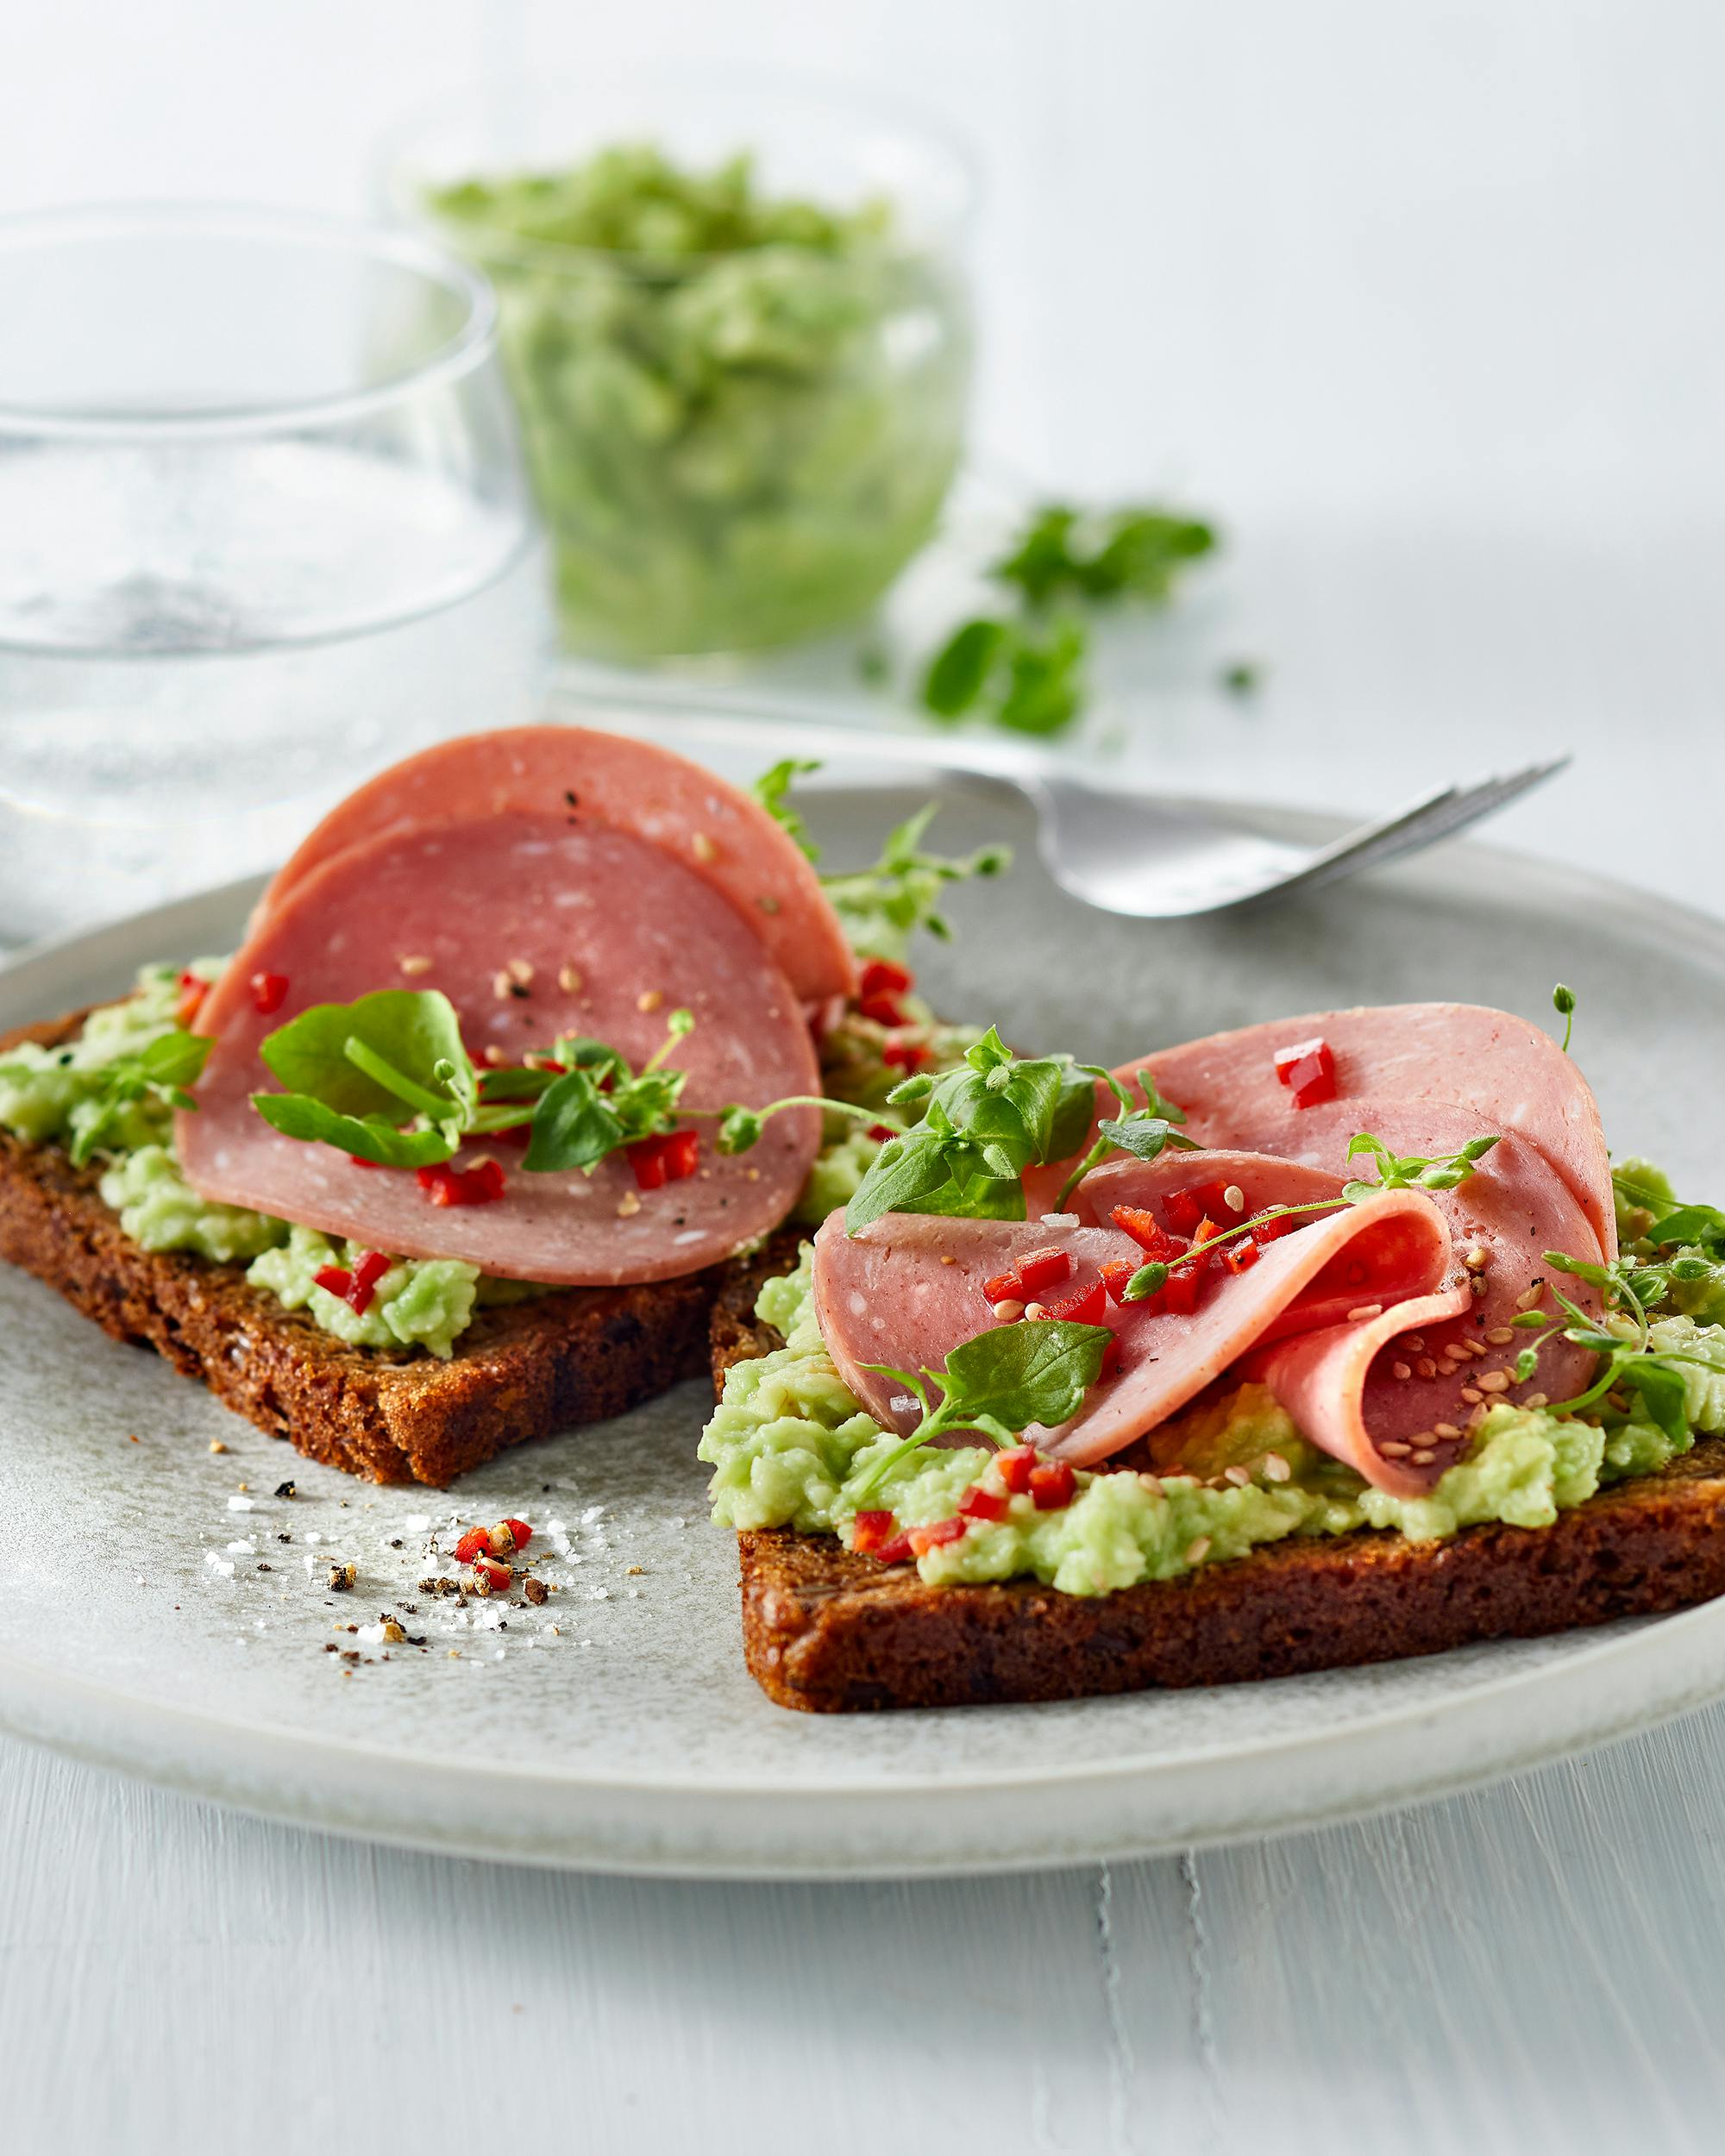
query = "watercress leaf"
{"x": 575, "y": 1126}
{"x": 903, "y": 1173}
{"x": 1662, "y": 1392}
{"x": 1021, "y": 1374}
{"x": 174, "y": 1059}
{"x": 910, "y": 1089}
{"x": 413, "y": 1030}
{"x": 513, "y": 1084}
{"x": 772, "y": 790}
{"x": 1045, "y": 685}
{"x": 989, "y": 1054}
{"x": 1074, "y": 1109}
{"x": 959, "y": 671}
{"x": 298, "y": 1115}
{"x": 1145, "y": 1136}
{"x": 1690, "y": 1224}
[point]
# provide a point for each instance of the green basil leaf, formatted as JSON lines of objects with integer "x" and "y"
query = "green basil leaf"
{"x": 413, "y": 1030}
{"x": 1662, "y": 1391}
{"x": 902, "y": 1174}
{"x": 298, "y": 1115}
{"x": 1145, "y": 1136}
{"x": 174, "y": 1059}
{"x": 1689, "y": 1224}
{"x": 1074, "y": 1110}
{"x": 575, "y": 1126}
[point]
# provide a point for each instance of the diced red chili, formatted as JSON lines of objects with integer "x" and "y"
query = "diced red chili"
{"x": 447, "y": 1186}
{"x": 884, "y": 1009}
{"x": 476, "y": 1543}
{"x": 881, "y": 1131}
{"x": 1115, "y": 1274}
{"x": 1051, "y": 1485}
{"x": 879, "y": 976}
{"x": 1111, "y": 1359}
{"x": 1015, "y": 1468}
{"x": 872, "y": 1530}
{"x": 1179, "y": 1293}
{"x": 492, "y": 1574}
{"x": 355, "y": 1160}
{"x": 1003, "y": 1287}
{"x": 1186, "y": 1208}
{"x": 521, "y": 1531}
{"x": 519, "y": 1134}
{"x": 368, "y": 1269}
{"x": 978, "y": 1503}
{"x": 908, "y": 1056}
{"x": 192, "y": 991}
{"x": 334, "y": 1280}
{"x": 1145, "y": 1230}
{"x": 1270, "y": 1230}
{"x": 1308, "y": 1069}
{"x": 1041, "y": 1269}
{"x": 269, "y": 990}
{"x": 898, "y": 1551}
{"x": 931, "y": 1537}
{"x": 1240, "y": 1255}
{"x": 1085, "y": 1307}
{"x": 664, "y": 1159}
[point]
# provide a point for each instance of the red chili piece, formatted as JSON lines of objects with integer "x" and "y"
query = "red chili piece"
{"x": 475, "y": 1544}
{"x": 896, "y": 1551}
{"x": 1145, "y": 1230}
{"x": 908, "y": 1056}
{"x": 872, "y": 1531}
{"x": 1269, "y": 1231}
{"x": 521, "y": 1531}
{"x": 1051, "y": 1485}
{"x": 522, "y": 1134}
{"x": 978, "y": 1503}
{"x": 881, "y": 977}
{"x": 1239, "y": 1256}
{"x": 1086, "y": 1307}
{"x": 885, "y": 1010}
{"x": 1115, "y": 1274}
{"x": 495, "y": 1573}
{"x": 1042, "y": 1268}
{"x": 1015, "y": 1468}
{"x": 356, "y": 1161}
{"x": 930, "y": 1538}
{"x": 1003, "y": 1287}
{"x": 1111, "y": 1359}
{"x": 333, "y": 1281}
{"x": 447, "y": 1186}
{"x": 881, "y": 1131}
{"x": 1308, "y": 1070}
{"x": 665, "y": 1159}
{"x": 368, "y": 1270}
{"x": 193, "y": 992}
{"x": 269, "y": 990}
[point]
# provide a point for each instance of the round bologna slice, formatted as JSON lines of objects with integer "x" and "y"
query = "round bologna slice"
{"x": 583, "y": 778}
{"x": 533, "y": 928}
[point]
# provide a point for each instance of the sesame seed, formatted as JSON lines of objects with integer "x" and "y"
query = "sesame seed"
{"x": 1234, "y": 1198}
{"x": 1399, "y": 1370}
{"x": 1501, "y": 1335}
{"x": 947, "y": 1259}
{"x": 518, "y": 970}
{"x": 501, "y": 985}
{"x": 1424, "y": 1457}
{"x": 416, "y": 965}
{"x": 1392, "y": 1449}
{"x": 1534, "y": 1399}
{"x": 1527, "y": 1298}
{"x": 649, "y": 999}
{"x": 1198, "y": 1551}
{"x": 1444, "y": 1430}
{"x": 1475, "y": 1260}
{"x": 1494, "y": 1381}
{"x": 1414, "y": 1341}
{"x": 1009, "y": 1313}
{"x": 216, "y": 1445}
{"x": 1471, "y": 1393}
{"x": 627, "y": 1204}
{"x": 1426, "y": 1367}
{"x": 1238, "y": 1475}
{"x": 495, "y": 1057}
{"x": 703, "y": 848}
{"x": 1477, "y": 1284}
{"x": 1365, "y": 1310}
{"x": 1275, "y": 1469}
{"x": 1476, "y": 1348}
{"x": 568, "y": 979}
{"x": 1477, "y": 1415}
{"x": 1034, "y": 1310}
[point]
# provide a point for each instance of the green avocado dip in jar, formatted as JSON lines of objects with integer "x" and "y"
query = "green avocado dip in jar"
{"x": 737, "y": 332}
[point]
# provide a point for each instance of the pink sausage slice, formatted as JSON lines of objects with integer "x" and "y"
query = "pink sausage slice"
{"x": 582, "y": 777}
{"x": 609, "y": 933}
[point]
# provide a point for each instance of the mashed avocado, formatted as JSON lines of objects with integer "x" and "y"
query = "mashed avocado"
{"x": 419, "y": 1302}
{"x": 161, "y": 1210}
{"x": 788, "y": 1439}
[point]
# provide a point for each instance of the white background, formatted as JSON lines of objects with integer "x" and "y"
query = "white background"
{"x": 1425, "y": 300}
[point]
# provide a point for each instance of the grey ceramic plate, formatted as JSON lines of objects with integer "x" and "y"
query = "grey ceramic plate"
{"x": 154, "y": 1619}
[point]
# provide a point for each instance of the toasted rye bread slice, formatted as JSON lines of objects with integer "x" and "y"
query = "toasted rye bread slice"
{"x": 829, "y": 1632}
{"x": 520, "y": 1371}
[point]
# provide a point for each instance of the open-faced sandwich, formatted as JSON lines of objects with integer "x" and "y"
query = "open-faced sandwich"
{"x": 523, "y": 1050}
{"x": 1324, "y": 1342}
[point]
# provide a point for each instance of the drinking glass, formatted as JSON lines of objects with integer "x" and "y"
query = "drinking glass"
{"x": 263, "y": 527}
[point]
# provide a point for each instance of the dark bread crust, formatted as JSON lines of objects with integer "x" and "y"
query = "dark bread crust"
{"x": 519, "y": 1372}
{"x": 828, "y": 1631}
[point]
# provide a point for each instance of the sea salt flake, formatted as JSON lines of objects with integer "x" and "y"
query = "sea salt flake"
{"x": 242, "y": 1504}
{"x": 217, "y": 1563}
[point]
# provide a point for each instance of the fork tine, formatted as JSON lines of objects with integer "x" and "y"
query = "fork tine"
{"x": 1439, "y": 816}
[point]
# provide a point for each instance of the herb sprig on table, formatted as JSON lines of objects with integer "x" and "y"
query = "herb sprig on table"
{"x": 1024, "y": 668}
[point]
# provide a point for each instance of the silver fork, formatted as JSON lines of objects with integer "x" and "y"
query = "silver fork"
{"x": 1124, "y": 851}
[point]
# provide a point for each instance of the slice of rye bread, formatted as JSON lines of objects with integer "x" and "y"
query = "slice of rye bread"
{"x": 518, "y": 1372}
{"x": 829, "y": 1632}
